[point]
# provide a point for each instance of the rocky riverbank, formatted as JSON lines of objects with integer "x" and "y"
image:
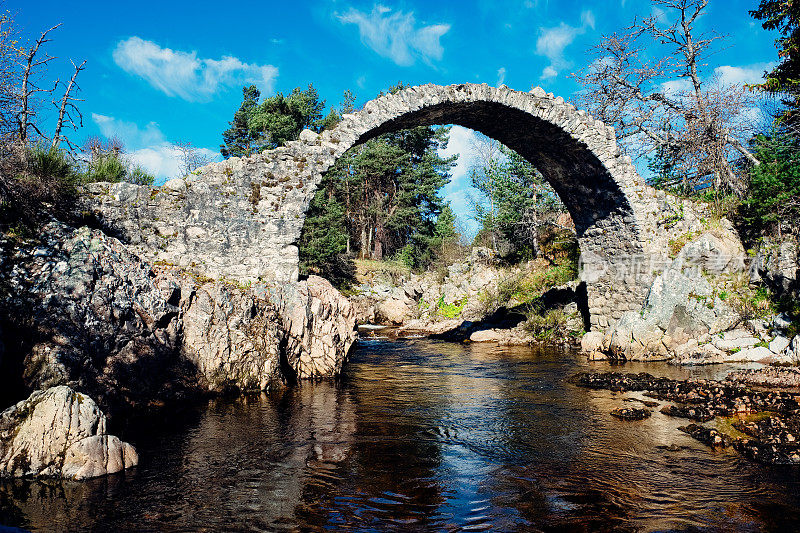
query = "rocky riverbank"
{"x": 709, "y": 305}
{"x": 763, "y": 425}
{"x": 477, "y": 299}
{"x": 85, "y": 320}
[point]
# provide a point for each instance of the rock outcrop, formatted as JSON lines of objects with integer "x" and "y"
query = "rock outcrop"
{"x": 60, "y": 433}
{"x": 778, "y": 264}
{"x": 687, "y": 317}
{"x": 319, "y": 325}
{"x": 683, "y": 312}
{"x": 86, "y": 312}
{"x": 231, "y": 335}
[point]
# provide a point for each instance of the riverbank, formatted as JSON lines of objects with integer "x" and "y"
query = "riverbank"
{"x": 761, "y": 424}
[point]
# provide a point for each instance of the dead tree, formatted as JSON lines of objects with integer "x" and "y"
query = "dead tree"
{"x": 664, "y": 104}
{"x": 68, "y": 112}
{"x": 31, "y": 63}
{"x": 191, "y": 157}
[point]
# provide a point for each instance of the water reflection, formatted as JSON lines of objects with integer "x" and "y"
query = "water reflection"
{"x": 423, "y": 435}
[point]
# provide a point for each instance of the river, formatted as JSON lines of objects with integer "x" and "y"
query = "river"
{"x": 421, "y": 435}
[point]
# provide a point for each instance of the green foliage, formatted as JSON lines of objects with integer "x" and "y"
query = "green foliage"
{"x": 546, "y": 324}
{"x": 519, "y": 202}
{"x": 452, "y": 310}
{"x": 750, "y": 304}
{"x": 140, "y": 176}
{"x": 773, "y": 199}
{"x": 109, "y": 166}
{"x": 525, "y": 288}
{"x": 783, "y": 16}
{"x": 42, "y": 185}
{"x": 664, "y": 168}
{"x": 323, "y": 242}
{"x": 280, "y": 118}
{"x": 44, "y": 161}
{"x": 239, "y": 140}
{"x": 388, "y": 189}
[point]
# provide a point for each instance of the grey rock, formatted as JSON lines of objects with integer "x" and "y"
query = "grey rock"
{"x": 60, "y": 433}
{"x": 96, "y": 317}
{"x": 319, "y": 324}
{"x": 717, "y": 252}
{"x": 779, "y": 344}
{"x": 232, "y": 336}
{"x": 756, "y": 353}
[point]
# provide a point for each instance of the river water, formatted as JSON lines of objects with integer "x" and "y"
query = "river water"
{"x": 422, "y": 435}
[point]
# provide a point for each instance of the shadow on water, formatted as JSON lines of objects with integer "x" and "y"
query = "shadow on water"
{"x": 423, "y": 435}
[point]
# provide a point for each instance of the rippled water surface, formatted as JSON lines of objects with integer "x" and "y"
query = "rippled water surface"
{"x": 423, "y": 435}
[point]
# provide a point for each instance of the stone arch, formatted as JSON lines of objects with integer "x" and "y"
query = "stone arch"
{"x": 577, "y": 154}
{"x": 241, "y": 218}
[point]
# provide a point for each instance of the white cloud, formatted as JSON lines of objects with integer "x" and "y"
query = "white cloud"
{"x": 676, "y": 87}
{"x": 730, "y": 75}
{"x": 548, "y": 72}
{"x": 183, "y": 74}
{"x": 501, "y": 75}
{"x": 396, "y": 36}
{"x": 459, "y": 192}
{"x": 726, "y": 75}
{"x": 552, "y": 42}
{"x": 147, "y": 147}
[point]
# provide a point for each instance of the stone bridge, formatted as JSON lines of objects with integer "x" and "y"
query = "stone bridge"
{"x": 240, "y": 219}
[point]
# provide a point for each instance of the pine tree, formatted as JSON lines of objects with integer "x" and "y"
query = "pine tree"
{"x": 783, "y": 16}
{"x": 239, "y": 140}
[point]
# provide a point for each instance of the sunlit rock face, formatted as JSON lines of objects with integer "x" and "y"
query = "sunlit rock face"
{"x": 80, "y": 309}
{"x": 249, "y": 337}
{"x": 60, "y": 433}
{"x": 319, "y": 324}
{"x": 241, "y": 218}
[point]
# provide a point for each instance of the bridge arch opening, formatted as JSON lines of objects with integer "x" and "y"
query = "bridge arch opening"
{"x": 577, "y": 156}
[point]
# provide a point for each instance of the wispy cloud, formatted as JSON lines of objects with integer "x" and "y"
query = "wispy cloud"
{"x": 552, "y": 42}
{"x": 147, "y": 146}
{"x": 501, "y": 75}
{"x": 183, "y": 74}
{"x": 395, "y": 34}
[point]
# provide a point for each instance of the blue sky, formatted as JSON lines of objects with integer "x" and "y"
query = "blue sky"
{"x": 163, "y": 71}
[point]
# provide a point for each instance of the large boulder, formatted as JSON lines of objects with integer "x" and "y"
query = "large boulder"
{"x": 778, "y": 265}
{"x": 231, "y": 334}
{"x": 60, "y": 433}
{"x": 319, "y": 327}
{"x": 394, "y": 311}
{"x": 717, "y": 252}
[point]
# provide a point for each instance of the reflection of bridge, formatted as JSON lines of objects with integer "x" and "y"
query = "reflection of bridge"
{"x": 241, "y": 218}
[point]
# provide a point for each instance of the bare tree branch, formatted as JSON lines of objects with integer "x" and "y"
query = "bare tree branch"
{"x": 664, "y": 103}
{"x": 31, "y": 62}
{"x": 64, "y": 115}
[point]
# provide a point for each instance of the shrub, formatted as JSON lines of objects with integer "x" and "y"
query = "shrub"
{"x": 51, "y": 163}
{"x": 107, "y": 167}
{"x": 545, "y": 325}
{"x": 140, "y": 176}
{"x": 36, "y": 182}
{"x": 450, "y": 310}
